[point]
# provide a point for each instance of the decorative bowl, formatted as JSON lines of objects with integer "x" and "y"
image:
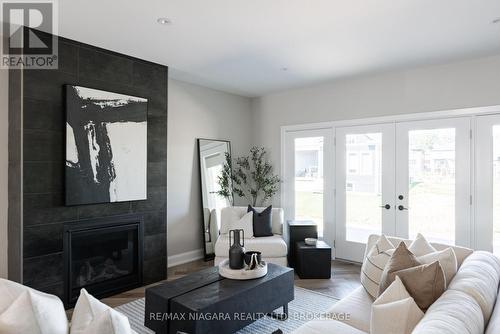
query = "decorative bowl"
{"x": 248, "y": 257}
{"x": 310, "y": 241}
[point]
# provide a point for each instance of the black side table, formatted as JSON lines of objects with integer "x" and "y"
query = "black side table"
{"x": 313, "y": 261}
{"x": 298, "y": 231}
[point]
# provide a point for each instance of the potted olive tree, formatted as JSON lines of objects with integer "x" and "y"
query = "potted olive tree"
{"x": 250, "y": 177}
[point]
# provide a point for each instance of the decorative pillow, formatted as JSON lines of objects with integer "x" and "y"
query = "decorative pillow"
{"x": 262, "y": 223}
{"x": 31, "y": 311}
{"x": 425, "y": 283}
{"x": 374, "y": 263}
{"x": 245, "y": 223}
{"x": 90, "y": 316}
{"x": 401, "y": 259}
{"x": 446, "y": 258}
{"x": 395, "y": 303}
{"x": 420, "y": 246}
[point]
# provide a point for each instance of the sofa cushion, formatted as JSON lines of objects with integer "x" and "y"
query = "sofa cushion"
{"x": 358, "y": 305}
{"x": 460, "y": 252}
{"x": 90, "y": 316}
{"x": 425, "y": 283}
{"x": 447, "y": 259}
{"x": 262, "y": 226}
{"x": 479, "y": 277}
{"x": 273, "y": 246}
{"x": 245, "y": 223}
{"x": 494, "y": 324}
{"x": 34, "y": 312}
{"x": 235, "y": 213}
{"x": 420, "y": 246}
{"x": 374, "y": 264}
{"x": 401, "y": 259}
{"x": 25, "y": 310}
{"x": 455, "y": 312}
{"x": 326, "y": 327}
{"x": 395, "y": 303}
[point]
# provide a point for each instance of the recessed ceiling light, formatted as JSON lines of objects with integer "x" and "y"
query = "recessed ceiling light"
{"x": 164, "y": 20}
{"x": 495, "y": 21}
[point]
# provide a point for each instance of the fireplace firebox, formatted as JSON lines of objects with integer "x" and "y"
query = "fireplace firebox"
{"x": 104, "y": 256}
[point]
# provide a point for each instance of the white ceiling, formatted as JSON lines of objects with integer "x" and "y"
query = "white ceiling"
{"x": 241, "y": 46}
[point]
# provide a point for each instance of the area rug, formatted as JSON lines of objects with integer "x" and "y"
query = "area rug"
{"x": 306, "y": 306}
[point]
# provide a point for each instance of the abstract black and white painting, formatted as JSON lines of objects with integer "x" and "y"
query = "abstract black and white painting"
{"x": 106, "y": 146}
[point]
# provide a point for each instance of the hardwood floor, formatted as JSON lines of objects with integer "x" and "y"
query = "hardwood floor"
{"x": 345, "y": 278}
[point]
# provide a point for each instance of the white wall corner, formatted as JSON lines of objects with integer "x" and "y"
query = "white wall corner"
{"x": 186, "y": 257}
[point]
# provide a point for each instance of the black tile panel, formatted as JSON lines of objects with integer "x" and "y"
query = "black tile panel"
{"x": 68, "y": 58}
{"x": 43, "y": 177}
{"x": 155, "y": 222}
{"x": 41, "y": 271}
{"x": 150, "y": 77}
{"x": 155, "y": 246}
{"x": 157, "y": 200}
{"x": 43, "y": 145}
{"x": 98, "y": 65}
{"x": 44, "y": 115}
{"x": 42, "y": 239}
{"x": 103, "y": 210}
{"x": 155, "y": 270}
{"x": 47, "y": 85}
{"x": 157, "y": 174}
{"x": 47, "y": 208}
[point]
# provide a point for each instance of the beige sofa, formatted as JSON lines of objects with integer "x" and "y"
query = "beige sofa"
{"x": 273, "y": 248}
{"x": 469, "y": 305}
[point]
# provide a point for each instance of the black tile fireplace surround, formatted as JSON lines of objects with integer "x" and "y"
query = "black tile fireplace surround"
{"x": 37, "y": 211}
{"x": 104, "y": 256}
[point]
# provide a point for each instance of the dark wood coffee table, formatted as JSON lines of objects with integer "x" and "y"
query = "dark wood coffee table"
{"x": 205, "y": 302}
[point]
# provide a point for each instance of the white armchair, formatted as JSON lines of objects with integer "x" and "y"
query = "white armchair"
{"x": 273, "y": 249}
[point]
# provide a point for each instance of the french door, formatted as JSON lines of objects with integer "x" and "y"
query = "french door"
{"x": 401, "y": 179}
{"x": 364, "y": 187}
{"x": 487, "y": 170}
{"x": 308, "y": 176}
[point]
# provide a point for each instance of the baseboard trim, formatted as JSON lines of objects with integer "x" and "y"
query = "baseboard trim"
{"x": 186, "y": 257}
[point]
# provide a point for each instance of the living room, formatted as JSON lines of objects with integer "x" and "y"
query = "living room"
{"x": 264, "y": 167}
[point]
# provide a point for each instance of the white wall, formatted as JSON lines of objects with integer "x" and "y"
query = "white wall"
{"x": 4, "y": 158}
{"x": 463, "y": 84}
{"x": 197, "y": 112}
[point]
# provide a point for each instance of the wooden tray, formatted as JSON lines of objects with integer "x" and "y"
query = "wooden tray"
{"x": 241, "y": 274}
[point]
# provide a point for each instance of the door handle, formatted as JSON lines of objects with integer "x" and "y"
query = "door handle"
{"x": 387, "y": 206}
{"x": 401, "y": 208}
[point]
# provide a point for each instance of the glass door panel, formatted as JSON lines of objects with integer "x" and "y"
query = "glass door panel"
{"x": 433, "y": 180}
{"x": 431, "y": 165}
{"x": 487, "y": 213}
{"x": 307, "y": 192}
{"x": 309, "y": 180}
{"x": 364, "y": 187}
{"x": 496, "y": 189}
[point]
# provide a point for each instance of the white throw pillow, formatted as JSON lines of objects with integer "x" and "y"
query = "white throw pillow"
{"x": 374, "y": 263}
{"x": 420, "y": 246}
{"x": 395, "y": 311}
{"x": 90, "y": 316}
{"x": 25, "y": 310}
{"x": 447, "y": 259}
{"x": 245, "y": 223}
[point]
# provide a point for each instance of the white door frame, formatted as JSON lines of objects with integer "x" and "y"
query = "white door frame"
{"x": 462, "y": 174}
{"x": 288, "y": 177}
{"x": 351, "y": 250}
{"x": 484, "y": 181}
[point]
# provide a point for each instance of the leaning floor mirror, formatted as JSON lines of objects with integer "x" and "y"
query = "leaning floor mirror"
{"x": 212, "y": 156}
